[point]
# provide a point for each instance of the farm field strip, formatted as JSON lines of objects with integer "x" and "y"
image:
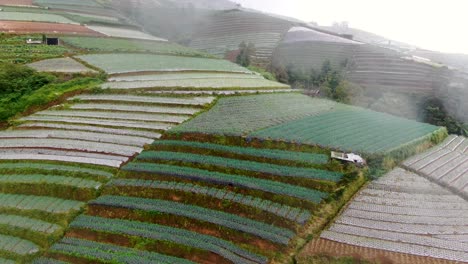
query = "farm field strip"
{"x": 130, "y": 63}
{"x": 223, "y": 92}
{"x": 194, "y": 101}
{"x": 221, "y": 83}
{"x": 43, "y": 260}
{"x": 20, "y": 16}
{"x": 106, "y": 44}
{"x": 446, "y": 164}
{"x": 116, "y": 115}
{"x": 49, "y": 179}
{"x": 110, "y": 131}
{"x": 338, "y": 129}
{"x": 38, "y": 203}
{"x": 272, "y": 233}
{"x": 395, "y": 246}
{"x": 229, "y": 179}
{"x": 66, "y": 158}
{"x": 164, "y": 233}
{"x": 78, "y": 135}
{"x": 74, "y": 145}
{"x": 23, "y": 27}
{"x": 267, "y": 168}
{"x": 123, "y": 33}
{"x": 100, "y": 122}
{"x": 240, "y": 115}
{"x": 101, "y": 251}
{"x": 61, "y": 153}
{"x": 291, "y": 213}
{"x": 66, "y": 65}
{"x": 18, "y": 166}
{"x": 31, "y": 224}
{"x": 17, "y": 246}
{"x": 309, "y": 158}
{"x": 182, "y": 76}
{"x": 430, "y": 223}
{"x": 90, "y": 3}
{"x": 136, "y": 108}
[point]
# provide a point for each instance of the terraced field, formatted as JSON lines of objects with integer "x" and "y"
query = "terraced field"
{"x": 127, "y": 45}
{"x": 351, "y": 129}
{"x": 131, "y": 63}
{"x": 241, "y": 115}
{"x": 446, "y": 164}
{"x": 403, "y": 212}
{"x": 13, "y": 49}
{"x": 308, "y": 49}
{"x": 38, "y": 200}
{"x": 224, "y": 31}
{"x": 304, "y": 120}
{"x": 239, "y": 205}
{"x": 120, "y": 32}
{"x": 386, "y": 70}
{"x": 67, "y": 65}
{"x": 21, "y": 16}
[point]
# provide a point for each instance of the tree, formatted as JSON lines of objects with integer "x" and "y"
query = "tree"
{"x": 246, "y": 52}
{"x": 435, "y": 113}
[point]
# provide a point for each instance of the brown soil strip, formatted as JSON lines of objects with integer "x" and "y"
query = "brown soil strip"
{"x": 16, "y": 2}
{"x": 331, "y": 248}
{"x": 21, "y": 27}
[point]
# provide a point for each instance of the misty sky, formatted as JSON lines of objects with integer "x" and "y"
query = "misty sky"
{"x": 431, "y": 24}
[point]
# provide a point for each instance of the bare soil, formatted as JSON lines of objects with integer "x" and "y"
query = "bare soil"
{"x": 16, "y": 2}
{"x": 22, "y": 27}
{"x": 326, "y": 247}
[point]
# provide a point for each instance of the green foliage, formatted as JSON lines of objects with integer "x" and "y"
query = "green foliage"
{"x": 247, "y": 51}
{"x": 127, "y": 45}
{"x": 17, "y": 80}
{"x": 13, "y": 49}
{"x": 41, "y": 97}
{"x": 267, "y": 168}
{"x": 266, "y": 74}
{"x": 435, "y": 113}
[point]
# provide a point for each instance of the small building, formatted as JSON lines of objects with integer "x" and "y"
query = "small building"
{"x": 52, "y": 41}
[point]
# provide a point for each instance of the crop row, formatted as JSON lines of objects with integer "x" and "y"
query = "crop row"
{"x": 127, "y": 45}
{"x": 107, "y": 252}
{"x": 38, "y": 203}
{"x": 126, "y": 63}
{"x": 395, "y": 246}
{"x": 17, "y": 246}
{"x": 275, "y": 234}
{"x": 97, "y": 121}
{"x": 183, "y": 76}
{"x": 28, "y": 223}
{"x": 78, "y": 135}
{"x": 221, "y": 83}
{"x": 267, "y": 168}
{"x": 7, "y": 261}
{"x": 43, "y": 260}
{"x": 119, "y": 32}
{"x": 291, "y": 213}
{"x": 20, "y": 16}
{"x": 229, "y": 179}
{"x": 49, "y": 179}
{"x": 77, "y": 145}
{"x": 110, "y": 131}
{"x": 240, "y": 115}
{"x": 304, "y": 157}
{"x": 53, "y": 168}
{"x": 195, "y": 101}
{"x": 116, "y": 115}
{"x": 169, "y": 234}
{"x": 41, "y": 154}
{"x": 222, "y": 92}
{"x": 136, "y": 108}
{"x": 67, "y": 65}
{"x": 350, "y": 129}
